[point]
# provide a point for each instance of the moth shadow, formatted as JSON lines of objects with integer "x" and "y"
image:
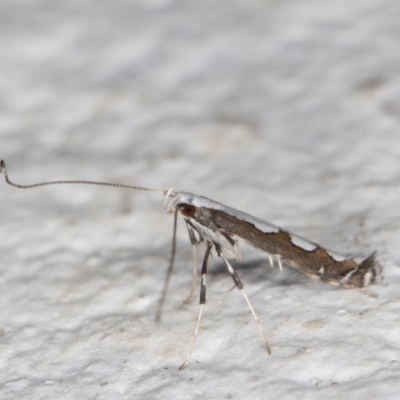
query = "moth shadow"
{"x": 112, "y": 262}
{"x": 259, "y": 269}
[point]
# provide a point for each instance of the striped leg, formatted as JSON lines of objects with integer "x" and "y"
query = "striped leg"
{"x": 239, "y": 285}
{"x": 202, "y": 302}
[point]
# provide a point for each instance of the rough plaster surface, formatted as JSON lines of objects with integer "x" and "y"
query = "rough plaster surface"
{"x": 288, "y": 110}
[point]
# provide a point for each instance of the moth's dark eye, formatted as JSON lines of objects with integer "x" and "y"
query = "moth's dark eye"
{"x": 187, "y": 210}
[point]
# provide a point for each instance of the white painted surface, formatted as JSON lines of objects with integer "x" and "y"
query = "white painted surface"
{"x": 286, "y": 110}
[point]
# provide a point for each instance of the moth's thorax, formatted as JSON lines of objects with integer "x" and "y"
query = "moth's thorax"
{"x": 178, "y": 199}
{"x": 196, "y": 210}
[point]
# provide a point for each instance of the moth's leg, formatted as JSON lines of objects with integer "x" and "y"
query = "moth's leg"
{"x": 278, "y": 257}
{"x": 239, "y": 285}
{"x": 271, "y": 260}
{"x": 194, "y": 242}
{"x": 234, "y": 243}
{"x": 202, "y": 302}
{"x": 170, "y": 268}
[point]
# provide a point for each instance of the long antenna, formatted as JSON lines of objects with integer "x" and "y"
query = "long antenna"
{"x": 117, "y": 185}
{"x": 166, "y": 193}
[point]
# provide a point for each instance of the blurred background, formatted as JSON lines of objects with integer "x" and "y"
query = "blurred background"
{"x": 288, "y": 110}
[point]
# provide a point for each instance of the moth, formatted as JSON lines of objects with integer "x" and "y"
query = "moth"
{"x": 221, "y": 228}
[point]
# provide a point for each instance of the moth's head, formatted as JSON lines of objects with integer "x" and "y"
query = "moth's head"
{"x": 181, "y": 202}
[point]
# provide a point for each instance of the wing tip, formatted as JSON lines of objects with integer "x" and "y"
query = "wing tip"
{"x": 370, "y": 270}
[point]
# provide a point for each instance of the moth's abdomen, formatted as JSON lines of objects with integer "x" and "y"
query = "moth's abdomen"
{"x": 306, "y": 256}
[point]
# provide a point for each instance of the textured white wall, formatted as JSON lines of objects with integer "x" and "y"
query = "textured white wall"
{"x": 287, "y": 110}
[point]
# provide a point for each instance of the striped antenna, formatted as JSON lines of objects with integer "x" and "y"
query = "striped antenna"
{"x": 167, "y": 193}
{"x": 117, "y": 185}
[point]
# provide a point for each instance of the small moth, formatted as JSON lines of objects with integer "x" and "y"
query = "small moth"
{"x": 221, "y": 228}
